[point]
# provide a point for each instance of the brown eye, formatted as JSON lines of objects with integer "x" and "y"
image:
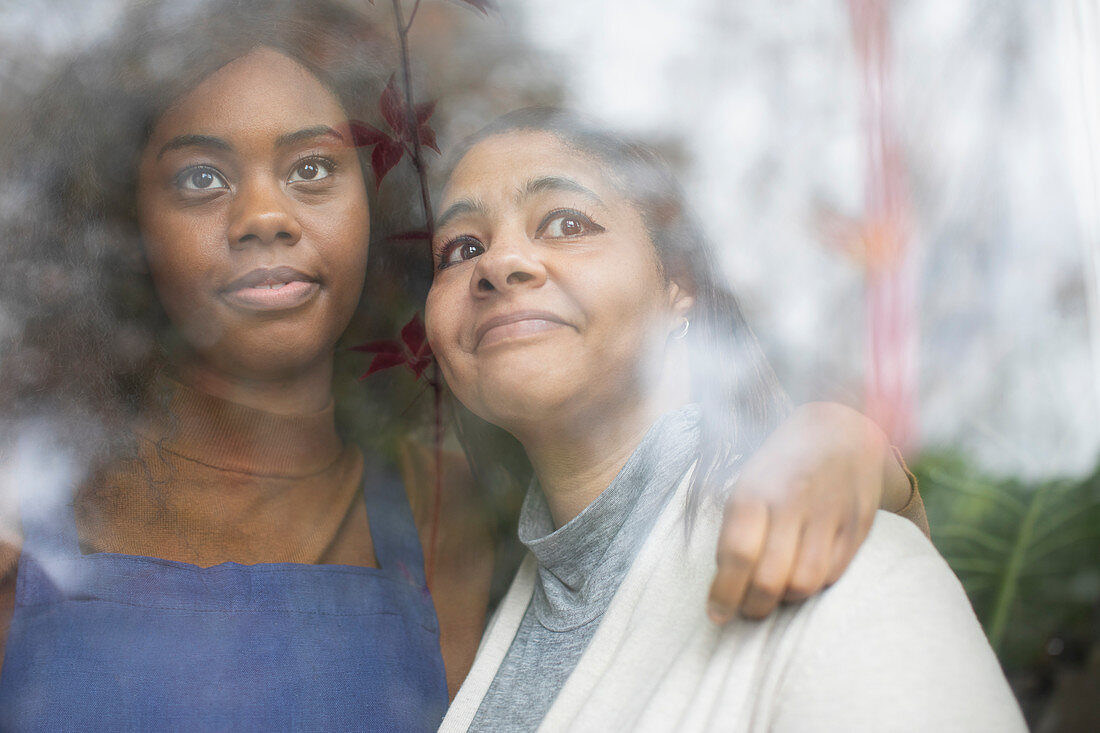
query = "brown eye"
{"x": 311, "y": 169}
{"x": 570, "y": 227}
{"x": 567, "y": 224}
{"x": 459, "y": 250}
{"x": 201, "y": 179}
{"x": 469, "y": 251}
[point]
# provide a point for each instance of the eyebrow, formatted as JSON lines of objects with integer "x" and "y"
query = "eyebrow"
{"x": 460, "y": 208}
{"x": 209, "y": 141}
{"x": 557, "y": 183}
{"x": 190, "y": 141}
{"x": 307, "y": 133}
{"x": 533, "y": 187}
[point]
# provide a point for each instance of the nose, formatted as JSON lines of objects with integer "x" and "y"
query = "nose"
{"x": 262, "y": 213}
{"x": 510, "y": 262}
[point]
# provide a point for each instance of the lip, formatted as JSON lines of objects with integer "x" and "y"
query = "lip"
{"x": 254, "y": 290}
{"x": 515, "y": 324}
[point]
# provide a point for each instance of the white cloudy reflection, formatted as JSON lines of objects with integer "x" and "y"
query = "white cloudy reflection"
{"x": 764, "y": 100}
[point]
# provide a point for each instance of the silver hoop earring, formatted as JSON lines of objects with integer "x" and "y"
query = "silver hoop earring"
{"x": 682, "y": 331}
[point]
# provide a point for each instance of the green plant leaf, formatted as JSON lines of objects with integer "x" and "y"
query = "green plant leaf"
{"x": 1028, "y": 555}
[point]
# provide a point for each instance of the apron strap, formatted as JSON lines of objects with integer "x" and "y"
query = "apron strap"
{"x": 392, "y": 529}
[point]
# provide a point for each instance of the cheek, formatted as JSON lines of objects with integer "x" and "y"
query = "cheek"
{"x": 444, "y": 318}
{"x": 178, "y": 255}
{"x": 441, "y": 325}
{"x": 628, "y": 320}
{"x": 622, "y": 302}
{"x": 349, "y": 221}
{"x": 343, "y": 234}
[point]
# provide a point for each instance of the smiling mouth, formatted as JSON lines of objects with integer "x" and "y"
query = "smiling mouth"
{"x": 271, "y": 289}
{"x": 514, "y": 326}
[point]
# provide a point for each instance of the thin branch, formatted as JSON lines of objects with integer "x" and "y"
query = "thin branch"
{"x": 413, "y": 128}
{"x": 412, "y": 16}
{"x": 410, "y": 117}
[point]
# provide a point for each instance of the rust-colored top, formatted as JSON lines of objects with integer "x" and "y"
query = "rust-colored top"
{"x": 216, "y": 482}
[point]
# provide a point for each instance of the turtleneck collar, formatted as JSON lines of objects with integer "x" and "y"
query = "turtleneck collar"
{"x": 581, "y": 564}
{"x": 228, "y": 436}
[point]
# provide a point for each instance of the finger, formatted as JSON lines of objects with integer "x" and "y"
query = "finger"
{"x": 844, "y": 548}
{"x": 868, "y": 510}
{"x": 769, "y": 580}
{"x": 744, "y": 529}
{"x": 853, "y": 534}
{"x": 854, "y": 531}
{"x": 850, "y": 538}
{"x": 814, "y": 560}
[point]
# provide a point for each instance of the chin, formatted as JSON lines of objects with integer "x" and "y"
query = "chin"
{"x": 515, "y": 400}
{"x": 273, "y": 358}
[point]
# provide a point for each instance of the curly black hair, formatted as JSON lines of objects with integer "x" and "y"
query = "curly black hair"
{"x": 81, "y": 330}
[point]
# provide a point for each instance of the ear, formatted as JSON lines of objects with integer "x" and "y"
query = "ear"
{"x": 681, "y": 296}
{"x": 681, "y": 300}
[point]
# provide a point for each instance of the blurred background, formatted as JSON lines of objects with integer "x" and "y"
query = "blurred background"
{"x": 906, "y": 197}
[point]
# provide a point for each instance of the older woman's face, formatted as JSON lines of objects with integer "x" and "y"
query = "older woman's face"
{"x": 254, "y": 217}
{"x": 548, "y": 299}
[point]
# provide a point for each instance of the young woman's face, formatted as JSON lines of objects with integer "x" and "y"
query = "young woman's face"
{"x": 548, "y": 299}
{"x": 254, "y": 218}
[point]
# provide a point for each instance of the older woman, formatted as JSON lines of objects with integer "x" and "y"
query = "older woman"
{"x": 575, "y": 305}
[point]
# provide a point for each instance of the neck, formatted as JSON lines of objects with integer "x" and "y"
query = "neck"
{"x": 577, "y": 457}
{"x": 301, "y": 393}
{"x": 576, "y": 464}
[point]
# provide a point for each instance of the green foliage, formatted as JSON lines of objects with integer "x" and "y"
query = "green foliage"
{"x": 1027, "y": 554}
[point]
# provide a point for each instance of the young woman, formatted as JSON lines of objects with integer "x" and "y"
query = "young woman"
{"x": 576, "y": 306}
{"x": 234, "y": 567}
{"x": 190, "y": 245}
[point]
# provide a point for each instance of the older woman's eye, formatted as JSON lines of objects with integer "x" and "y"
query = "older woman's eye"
{"x": 459, "y": 250}
{"x": 311, "y": 169}
{"x": 201, "y": 178}
{"x": 567, "y": 223}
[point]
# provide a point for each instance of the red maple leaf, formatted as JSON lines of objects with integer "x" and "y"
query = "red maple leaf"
{"x": 395, "y": 112}
{"x": 364, "y": 135}
{"x": 412, "y": 350}
{"x": 389, "y": 149}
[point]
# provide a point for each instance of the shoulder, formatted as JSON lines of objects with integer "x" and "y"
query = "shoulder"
{"x": 898, "y": 577}
{"x": 892, "y": 542}
{"x": 894, "y": 643}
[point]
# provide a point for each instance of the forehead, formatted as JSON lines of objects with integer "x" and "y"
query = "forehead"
{"x": 262, "y": 88}
{"x": 498, "y": 168}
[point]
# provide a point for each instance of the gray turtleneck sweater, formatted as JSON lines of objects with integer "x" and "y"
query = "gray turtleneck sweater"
{"x": 580, "y": 567}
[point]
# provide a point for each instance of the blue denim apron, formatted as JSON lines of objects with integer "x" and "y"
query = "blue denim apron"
{"x": 119, "y": 642}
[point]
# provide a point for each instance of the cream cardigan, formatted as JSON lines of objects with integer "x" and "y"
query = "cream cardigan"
{"x": 892, "y": 646}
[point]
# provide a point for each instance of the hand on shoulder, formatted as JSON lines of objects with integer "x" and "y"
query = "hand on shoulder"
{"x": 801, "y": 507}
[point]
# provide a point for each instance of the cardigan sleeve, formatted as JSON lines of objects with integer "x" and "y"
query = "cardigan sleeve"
{"x": 895, "y": 646}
